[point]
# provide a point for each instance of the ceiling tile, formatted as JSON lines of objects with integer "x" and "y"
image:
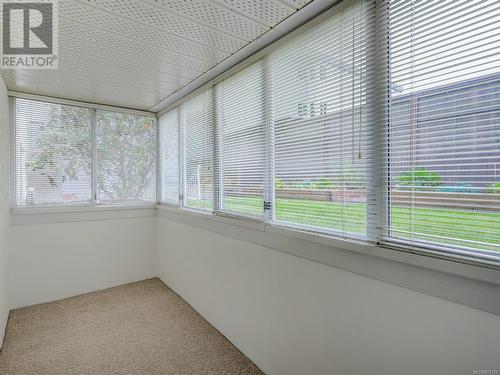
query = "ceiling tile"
{"x": 134, "y": 53}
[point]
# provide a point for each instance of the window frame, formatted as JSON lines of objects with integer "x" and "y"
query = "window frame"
{"x": 377, "y": 184}
{"x": 71, "y": 207}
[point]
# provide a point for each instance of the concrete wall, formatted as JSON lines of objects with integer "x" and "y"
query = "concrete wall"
{"x": 294, "y": 316}
{"x": 4, "y": 205}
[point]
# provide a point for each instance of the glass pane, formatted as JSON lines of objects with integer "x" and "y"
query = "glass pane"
{"x": 126, "y": 162}
{"x": 53, "y": 151}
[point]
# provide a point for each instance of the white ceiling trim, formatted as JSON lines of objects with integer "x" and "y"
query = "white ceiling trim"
{"x": 49, "y": 99}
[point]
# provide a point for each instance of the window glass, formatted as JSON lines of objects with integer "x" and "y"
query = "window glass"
{"x": 321, "y": 123}
{"x": 169, "y": 156}
{"x": 198, "y": 135}
{"x": 53, "y": 153}
{"x": 444, "y": 124}
{"x": 241, "y": 142}
{"x": 126, "y": 160}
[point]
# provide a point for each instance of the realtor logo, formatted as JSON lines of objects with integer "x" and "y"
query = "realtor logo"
{"x": 29, "y": 34}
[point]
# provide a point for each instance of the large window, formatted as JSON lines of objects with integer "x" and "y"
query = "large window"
{"x": 197, "y": 129}
{"x": 125, "y": 158}
{"x": 63, "y": 153}
{"x": 169, "y": 157}
{"x": 53, "y": 153}
{"x": 381, "y": 122}
{"x": 318, "y": 90}
{"x": 444, "y": 123}
{"x": 241, "y": 142}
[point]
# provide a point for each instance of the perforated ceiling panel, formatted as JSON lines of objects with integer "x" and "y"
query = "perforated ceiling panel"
{"x": 134, "y": 53}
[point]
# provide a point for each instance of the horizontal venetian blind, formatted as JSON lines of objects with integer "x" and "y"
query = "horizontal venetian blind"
{"x": 125, "y": 158}
{"x": 198, "y": 150}
{"x": 444, "y": 123}
{"x": 53, "y": 153}
{"x": 241, "y": 142}
{"x": 169, "y": 156}
{"x": 321, "y": 120}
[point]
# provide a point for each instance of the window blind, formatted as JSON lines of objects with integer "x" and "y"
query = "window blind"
{"x": 241, "y": 142}
{"x": 198, "y": 150}
{"x": 318, "y": 89}
{"x": 169, "y": 156}
{"x": 53, "y": 153}
{"x": 381, "y": 121}
{"x": 125, "y": 158}
{"x": 443, "y": 123}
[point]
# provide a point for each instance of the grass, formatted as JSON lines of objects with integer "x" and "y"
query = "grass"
{"x": 433, "y": 224}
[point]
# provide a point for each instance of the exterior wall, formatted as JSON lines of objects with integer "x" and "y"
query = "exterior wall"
{"x": 455, "y": 132}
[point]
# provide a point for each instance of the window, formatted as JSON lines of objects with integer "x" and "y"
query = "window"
{"x": 444, "y": 124}
{"x": 169, "y": 156}
{"x": 320, "y": 124}
{"x": 126, "y": 162}
{"x": 198, "y": 135}
{"x": 63, "y": 152}
{"x": 241, "y": 142}
{"x": 53, "y": 153}
{"x": 380, "y": 122}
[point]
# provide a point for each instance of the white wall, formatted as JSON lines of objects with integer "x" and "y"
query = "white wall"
{"x": 4, "y": 205}
{"x": 57, "y": 260}
{"x": 294, "y": 316}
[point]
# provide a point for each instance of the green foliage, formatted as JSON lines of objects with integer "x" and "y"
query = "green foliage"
{"x": 303, "y": 185}
{"x": 348, "y": 177}
{"x": 494, "y": 188}
{"x": 418, "y": 178}
{"x": 63, "y": 147}
{"x": 278, "y": 184}
{"x": 323, "y": 183}
{"x": 125, "y": 154}
{"x": 125, "y": 147}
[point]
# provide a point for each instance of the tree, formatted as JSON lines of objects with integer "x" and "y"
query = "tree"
{"x": 62, "y": 148}
{"x": 125, "y": 155}
{"x": 125, "y": 150}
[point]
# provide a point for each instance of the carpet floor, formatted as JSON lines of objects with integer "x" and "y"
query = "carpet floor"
{"x": 139, "y": 328}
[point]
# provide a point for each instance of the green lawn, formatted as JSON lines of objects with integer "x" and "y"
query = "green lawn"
{"x": 459, "y": 226}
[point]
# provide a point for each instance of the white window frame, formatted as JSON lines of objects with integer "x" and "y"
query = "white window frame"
{"x": 377, "y": 214}
{"x": 72, "y": 207}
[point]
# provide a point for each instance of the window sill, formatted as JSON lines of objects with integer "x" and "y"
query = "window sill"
{"x": 473, "y": 285}
{"x": 59, "y": 214}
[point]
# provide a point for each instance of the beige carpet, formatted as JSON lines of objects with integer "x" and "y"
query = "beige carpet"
{"x": 138, "y": 328}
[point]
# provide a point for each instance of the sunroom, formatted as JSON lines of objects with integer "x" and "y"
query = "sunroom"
{"x": 250, "y": 186}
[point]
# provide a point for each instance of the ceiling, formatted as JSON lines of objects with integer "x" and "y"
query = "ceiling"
{"x": 135, "y": 53}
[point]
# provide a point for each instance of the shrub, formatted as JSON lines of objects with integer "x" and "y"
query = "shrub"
{"x": 494, "y": 188}
{"x": 278, "y": 184}
{"x": 323, "y": 183}
{"x": 418, "y": 178}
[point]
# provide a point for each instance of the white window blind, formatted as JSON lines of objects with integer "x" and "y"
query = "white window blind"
{"x": 321, "y": 120}
{"x": 444, "y": 123}
{"x": 380, "y": 121}
{"x": 169, "y": 156}
{"x": 198, "y": 149}
{"x": 241, "y": 142}
{"x": 53, "y": 153}
{"x": 125, "y": 158}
